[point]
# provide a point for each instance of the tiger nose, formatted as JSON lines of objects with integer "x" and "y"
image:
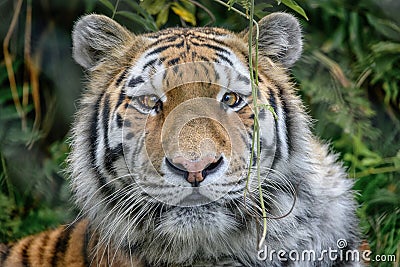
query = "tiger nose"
{"x": 195, "y": 171}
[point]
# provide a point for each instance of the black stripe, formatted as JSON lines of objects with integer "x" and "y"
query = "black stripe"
{"x": 105, "y": 118}
{"x": 61, "y": 244}
{"x": 139, "y": 146}
{"x": 272, "y": 100}
{"x": 243, "y": 78}
{"x": 181, "y": 44}
{"x": 173, "y": 61}
{"x": 206, "y": 69}
{"x": 262, "y": 113}
{"x": 254, "y": 160}
{"x": 175, "y": 69}
{"x": 43, "y": 244}
{"x": 85, "y": 247}
{"x": 148, "y": 64}
{"x": 205, "y": 58}
{"x": 286, "y": 113}
{"x": 224, "y": 58}
{"x": 4, "y": 252}
{"x": 106, "y": 189}
{"x": 163, "y": 48}
{"x": 165, "y": 38}
{"x": 211, "y": 39}
{"x": 121, "y": 98}
{"x": 278, "y": 153}
{"x": 127, "y": 123}
{"x": 246, "y": 57}
{"x": 217, "y": 77}
{"x": 135, "y": 81}
{"x": 111, "y": 155}
{"x": 24, "y": 253}
{"x": 120, "y": 120}
{"x": 93, "y": 131}
{"x": 121, "y": 77}
{"x": 214, "y": 47}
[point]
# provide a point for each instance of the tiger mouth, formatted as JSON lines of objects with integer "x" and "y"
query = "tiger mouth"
{"x": 194, "y": 199}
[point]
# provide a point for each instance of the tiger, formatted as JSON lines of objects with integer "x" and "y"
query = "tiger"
{"x": 181, "y": 150}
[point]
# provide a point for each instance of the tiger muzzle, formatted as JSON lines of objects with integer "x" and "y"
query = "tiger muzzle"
{"x": 195, "y": 171}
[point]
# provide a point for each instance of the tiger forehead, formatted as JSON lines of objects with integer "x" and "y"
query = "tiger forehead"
{"x": 188, "y": 45}
{"x": 172, "y": 33}
{"x": 179, "y": 56}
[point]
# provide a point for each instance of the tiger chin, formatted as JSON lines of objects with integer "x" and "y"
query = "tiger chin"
{"x": 161, "y": 151}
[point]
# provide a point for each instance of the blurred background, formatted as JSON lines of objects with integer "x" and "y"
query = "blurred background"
{"x": 349, "y": 78}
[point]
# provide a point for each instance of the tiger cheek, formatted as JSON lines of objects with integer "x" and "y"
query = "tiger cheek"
{"x": 153, "y": 147}
{"x": 247, "y": 118}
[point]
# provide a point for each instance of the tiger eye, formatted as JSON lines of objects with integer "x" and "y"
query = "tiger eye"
{"x": 148, "y": 101}
{"x": 231, "y": 99}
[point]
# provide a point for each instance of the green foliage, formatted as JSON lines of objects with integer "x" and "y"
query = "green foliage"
{"x": 349, "y": 78}
{"x": 246, "y": 4}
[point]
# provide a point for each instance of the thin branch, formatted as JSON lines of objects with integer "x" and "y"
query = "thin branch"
{"x": 34, "y": 78}
{"x": 115, "y": 9}
{"x": 27, "y": 52}
{"x": 9, "y": 67}
{"x": 209, "y": 13}
{"x": 376, "y": 171}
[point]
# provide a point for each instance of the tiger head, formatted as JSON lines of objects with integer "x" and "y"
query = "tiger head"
{"x": 163, "y": 140}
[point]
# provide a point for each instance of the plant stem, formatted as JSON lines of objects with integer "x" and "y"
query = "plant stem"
{"x": 8, "y": 61}
{"x": 115, "y": 9}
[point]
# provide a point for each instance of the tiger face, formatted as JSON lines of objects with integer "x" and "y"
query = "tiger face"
{"x": 163, "y": 141}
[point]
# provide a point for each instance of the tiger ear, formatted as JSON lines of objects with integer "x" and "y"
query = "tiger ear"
{"x": 280, "y": 38}
{"x": 94, "y": 37}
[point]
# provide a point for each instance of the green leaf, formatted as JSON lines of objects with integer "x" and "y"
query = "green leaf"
{"x": 231, "y": 2}
{"x": 355, "y": 35}
{"x": 188, "y": 6}
{"x": 386, "y": 47}
{"x": 162, "y": 17}
{"x": 396, "y": 160}
{"x": 259, "y": 9}
{"x": 183, "y": 13}
{"x": 293, "y": 5}
{"x": 385, "y": 27}
{"x": 3, "y": 71}
{"x": 6, "y": 95}
{"x": 10, "y": 113}
{"x": 152, "y": 6}
{"x": 136, "y": 18}
{"x": 108, "y": 4}
{"x": 371, "y": 162}
{"x": 139, "y": 9}
{"x": 150, "y": 23}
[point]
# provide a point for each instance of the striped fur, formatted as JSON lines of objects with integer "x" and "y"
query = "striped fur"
{"x": 163, "y": 184}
